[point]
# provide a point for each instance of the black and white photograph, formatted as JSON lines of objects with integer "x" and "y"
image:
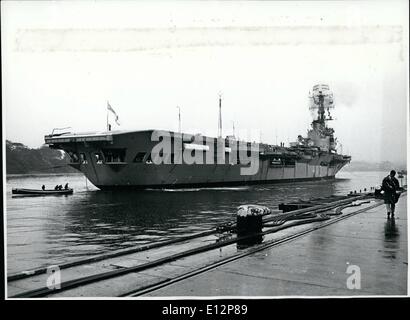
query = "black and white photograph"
{"x": 180, "y": 150}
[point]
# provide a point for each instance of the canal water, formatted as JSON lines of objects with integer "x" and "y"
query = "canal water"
{"x": 42, "y": 231}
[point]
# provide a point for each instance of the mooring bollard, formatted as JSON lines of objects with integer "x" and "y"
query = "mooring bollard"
{"x": 248, "y": 222}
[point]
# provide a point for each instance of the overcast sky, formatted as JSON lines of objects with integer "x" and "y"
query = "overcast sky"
{"x": 62, "y": 61}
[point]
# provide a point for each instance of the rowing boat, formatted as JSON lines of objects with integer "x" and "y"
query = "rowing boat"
{"x": 41, "y": 192}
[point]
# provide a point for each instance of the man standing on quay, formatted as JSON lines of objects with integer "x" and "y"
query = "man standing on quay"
{"x": 390, "y": 186}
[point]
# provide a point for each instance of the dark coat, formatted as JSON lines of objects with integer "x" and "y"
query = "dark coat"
{"x": 390, "y": 186}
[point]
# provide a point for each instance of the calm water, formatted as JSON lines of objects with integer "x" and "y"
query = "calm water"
{"x": 47, "y": 230}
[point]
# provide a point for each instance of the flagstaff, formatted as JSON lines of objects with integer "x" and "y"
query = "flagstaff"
{"x": 108, "y": 129}
{"x": 109, "y": 108}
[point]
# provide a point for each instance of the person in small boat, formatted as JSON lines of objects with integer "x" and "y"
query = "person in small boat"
{"x": 60, "y": 187}
{"x": 43, "y": 187}
{"x": 66, "y": 186}
{"x": 56, "y": 187}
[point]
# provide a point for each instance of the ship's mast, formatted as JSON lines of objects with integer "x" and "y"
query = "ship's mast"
{"x": 220, "y": 117}
{"x": 321, "y": 108}
{"x": 179, "y": 119}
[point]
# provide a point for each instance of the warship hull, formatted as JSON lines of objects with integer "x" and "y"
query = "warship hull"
{"x": 194, "y": 176}
{"x": 121, "y": 160}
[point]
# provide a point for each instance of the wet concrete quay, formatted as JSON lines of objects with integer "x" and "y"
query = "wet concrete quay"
{"x": 298, "y": 259}
{"x": 316, "y": 264}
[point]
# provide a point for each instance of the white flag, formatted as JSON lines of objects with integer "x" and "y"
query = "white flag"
{"x": 112, "y": 110}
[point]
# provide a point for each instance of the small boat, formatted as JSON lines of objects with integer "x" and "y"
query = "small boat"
{"x": 40, "y": 191}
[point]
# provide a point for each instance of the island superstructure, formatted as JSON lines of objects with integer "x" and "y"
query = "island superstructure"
{"x": 124, "y": 159}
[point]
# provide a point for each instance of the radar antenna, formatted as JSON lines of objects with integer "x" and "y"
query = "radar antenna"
{"x": 321, "y": 99}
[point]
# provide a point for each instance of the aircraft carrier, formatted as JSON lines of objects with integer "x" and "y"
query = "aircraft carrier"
{"x": 129, "y": 159}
